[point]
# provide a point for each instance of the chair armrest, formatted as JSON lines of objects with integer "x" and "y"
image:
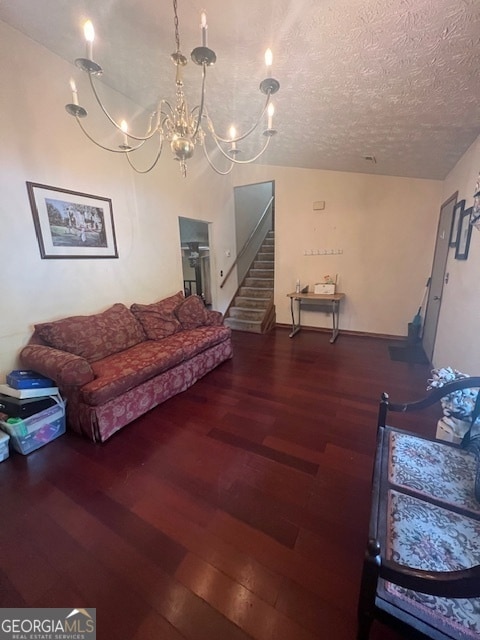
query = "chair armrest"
{"x": 464, "y": 583}
{"x": 67, "y": 369}
{"x": 433, "y": 396}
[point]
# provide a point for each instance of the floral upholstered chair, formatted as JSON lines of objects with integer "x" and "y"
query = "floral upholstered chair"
{"x": 421, "y": 570}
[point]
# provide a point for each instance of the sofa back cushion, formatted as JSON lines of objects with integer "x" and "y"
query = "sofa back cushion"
{"x": 191, "y": 313}
{"x": 96, "y": 336}
{"x": 158, "y": 319}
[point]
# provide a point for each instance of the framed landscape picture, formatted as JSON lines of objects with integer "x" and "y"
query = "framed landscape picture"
{"x": 70, "y": 224}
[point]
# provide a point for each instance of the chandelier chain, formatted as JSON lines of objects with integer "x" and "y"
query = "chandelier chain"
{"x": 175, "y": 22}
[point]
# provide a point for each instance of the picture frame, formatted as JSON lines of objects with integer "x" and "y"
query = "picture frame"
{"x": 71, "y": 224}
{"x": 457, "y": 213}
{"x": 463, "y": 235}
{"x": 475, "y": 219}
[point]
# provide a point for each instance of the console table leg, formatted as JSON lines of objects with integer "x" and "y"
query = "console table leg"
{"x": 295, "y": 326}
{"x": 335, "y": 314}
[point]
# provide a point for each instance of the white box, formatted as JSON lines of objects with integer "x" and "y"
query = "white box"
{"x": 32, "y": 433}
{"x": 321, "y": 287}
{"x": 4, "y": 438}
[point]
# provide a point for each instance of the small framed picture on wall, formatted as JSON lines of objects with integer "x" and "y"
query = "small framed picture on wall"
{"x": 457, "y": 213}
{"x": 463, "y": 234}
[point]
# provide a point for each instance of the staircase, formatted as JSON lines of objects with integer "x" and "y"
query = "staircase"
{"x": 252, "y": 308}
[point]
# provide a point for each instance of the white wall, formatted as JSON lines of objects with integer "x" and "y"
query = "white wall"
{"x": 385, "y": 227}
{"x": 458, "y": 337}
{"x": 41, "y": 143}
{"x": 250, "y": 203}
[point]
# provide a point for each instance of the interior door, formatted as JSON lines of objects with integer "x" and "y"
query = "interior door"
{"x": 438, "y": 274}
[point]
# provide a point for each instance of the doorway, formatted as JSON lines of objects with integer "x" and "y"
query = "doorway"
{"x": 254, "y": 217}
{"x": 195, "y": 248}
{"x": 437, "y": 279}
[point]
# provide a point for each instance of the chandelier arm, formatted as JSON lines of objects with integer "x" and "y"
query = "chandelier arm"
{"x": 150, "y": 132}
{"x": 166, "y": 102}
{"x": 234, "y": 160}
{"x": 202, "y": 101}
{"x": 159, "y": 153}
{"x": 267, "y": 142}
{"x": 103, "y": 146}
{"x": 244, "y": 135}
{"x": 221, "y": 173}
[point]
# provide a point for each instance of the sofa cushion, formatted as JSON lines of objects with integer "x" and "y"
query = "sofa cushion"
{"x": 214, "y": 318}
{"x": 191, "y": 313}
{"x": 96, "y": 336}
{"x": 424, "y": 467}
{"x": 123, "y": 371}
{"x": 428, "y": 537}
{"x": 196, "y": 340}
{"x": 158, "y": 319}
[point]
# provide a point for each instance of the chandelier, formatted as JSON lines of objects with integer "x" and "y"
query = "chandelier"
{"x": 182, "y": 128}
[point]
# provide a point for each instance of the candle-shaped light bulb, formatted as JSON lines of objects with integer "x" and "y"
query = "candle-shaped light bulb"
{"x": 73, "y": 87}
{"x": 89, "y": 33}
{"x": 270, "y": 112}
{"x": 204, "y": 27}
{"x": 124, "y": 128}
{"x": 233, "y": 134}
{"x": 269, "y": 61}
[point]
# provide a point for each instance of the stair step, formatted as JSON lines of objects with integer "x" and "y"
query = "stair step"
{"x": 265, "y": 257}
{"x": 252, "y": 306}
{"x": 252, "y": 292}
{"x": 261, "y": 273}
{"x": 244, "y": 325}
{"x": 251, "y": 303}
{"x": 261, "y": 283}
{"x": 242, "y": 313}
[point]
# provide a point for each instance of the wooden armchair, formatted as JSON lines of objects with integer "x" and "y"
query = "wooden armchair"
{"x": 421, "y": 570}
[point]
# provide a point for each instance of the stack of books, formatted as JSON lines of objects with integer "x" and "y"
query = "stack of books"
{"x": 26, "y": 393}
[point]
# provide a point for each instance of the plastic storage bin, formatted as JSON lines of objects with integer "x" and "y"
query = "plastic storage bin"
{"x": 4, "y": 438}
{"x": 32, "y": 433}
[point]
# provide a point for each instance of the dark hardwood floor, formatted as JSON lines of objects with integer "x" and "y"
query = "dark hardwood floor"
{"x": 236, "y": 510}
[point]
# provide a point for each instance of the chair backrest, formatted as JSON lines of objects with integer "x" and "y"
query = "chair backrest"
{"x": 433, "y": 396}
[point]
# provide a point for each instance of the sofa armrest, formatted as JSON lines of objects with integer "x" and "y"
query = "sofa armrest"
{"x": 214, "y": 318}
{"x": 67, "y": 369}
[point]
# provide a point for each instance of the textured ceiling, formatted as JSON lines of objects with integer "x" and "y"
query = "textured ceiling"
{"x": 395, "y": 79}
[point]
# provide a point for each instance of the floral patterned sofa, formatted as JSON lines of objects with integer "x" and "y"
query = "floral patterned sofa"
{"x": 114, "y": 366}
{"x": 421, "y": 570}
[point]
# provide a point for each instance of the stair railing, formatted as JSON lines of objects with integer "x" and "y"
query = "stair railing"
{"x": 247, "y": 243}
